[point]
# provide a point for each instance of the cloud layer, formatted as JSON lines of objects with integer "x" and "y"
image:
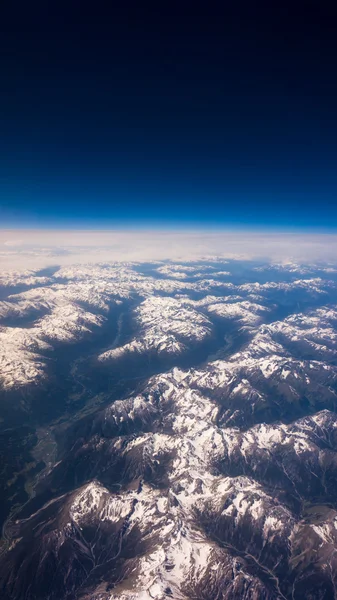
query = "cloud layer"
{"x": 40, "y": 248}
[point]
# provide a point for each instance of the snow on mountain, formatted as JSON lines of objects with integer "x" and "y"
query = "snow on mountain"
{"x": 183, "y": 522}
{"x": 314, "y": 286}
{"x": 248, "y": 313}
{"x": 297, "y": 268}
{"x": 165, "y": 326}
{"x": 309, "y": 334}
{"x": 11, "y": 279}
{"x": 176, "y": 271}
{"x": 21, "y": 358}
{"x": 217, "y": 481}
{"x": 66, "y": 321}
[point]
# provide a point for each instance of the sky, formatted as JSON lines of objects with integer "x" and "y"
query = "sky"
{"x": 170, "y": 116}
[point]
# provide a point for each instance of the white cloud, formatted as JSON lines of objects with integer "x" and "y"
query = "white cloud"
{"x": 39, "y": 248}
{"x": 13, "y": 243}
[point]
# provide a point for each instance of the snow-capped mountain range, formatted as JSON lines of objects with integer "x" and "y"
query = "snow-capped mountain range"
{"x": 201, "y": 459}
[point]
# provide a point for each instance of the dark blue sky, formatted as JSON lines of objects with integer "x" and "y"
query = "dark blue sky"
{"x": 172, "y": 116}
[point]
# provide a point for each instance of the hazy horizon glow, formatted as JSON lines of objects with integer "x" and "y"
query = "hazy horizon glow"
{"x": 34, "y": 249}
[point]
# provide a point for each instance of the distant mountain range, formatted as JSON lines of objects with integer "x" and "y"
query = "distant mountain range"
{"x": 169, "y": 431}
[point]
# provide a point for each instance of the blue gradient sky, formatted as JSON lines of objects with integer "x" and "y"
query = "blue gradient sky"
{"x": 169, "y": 118}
